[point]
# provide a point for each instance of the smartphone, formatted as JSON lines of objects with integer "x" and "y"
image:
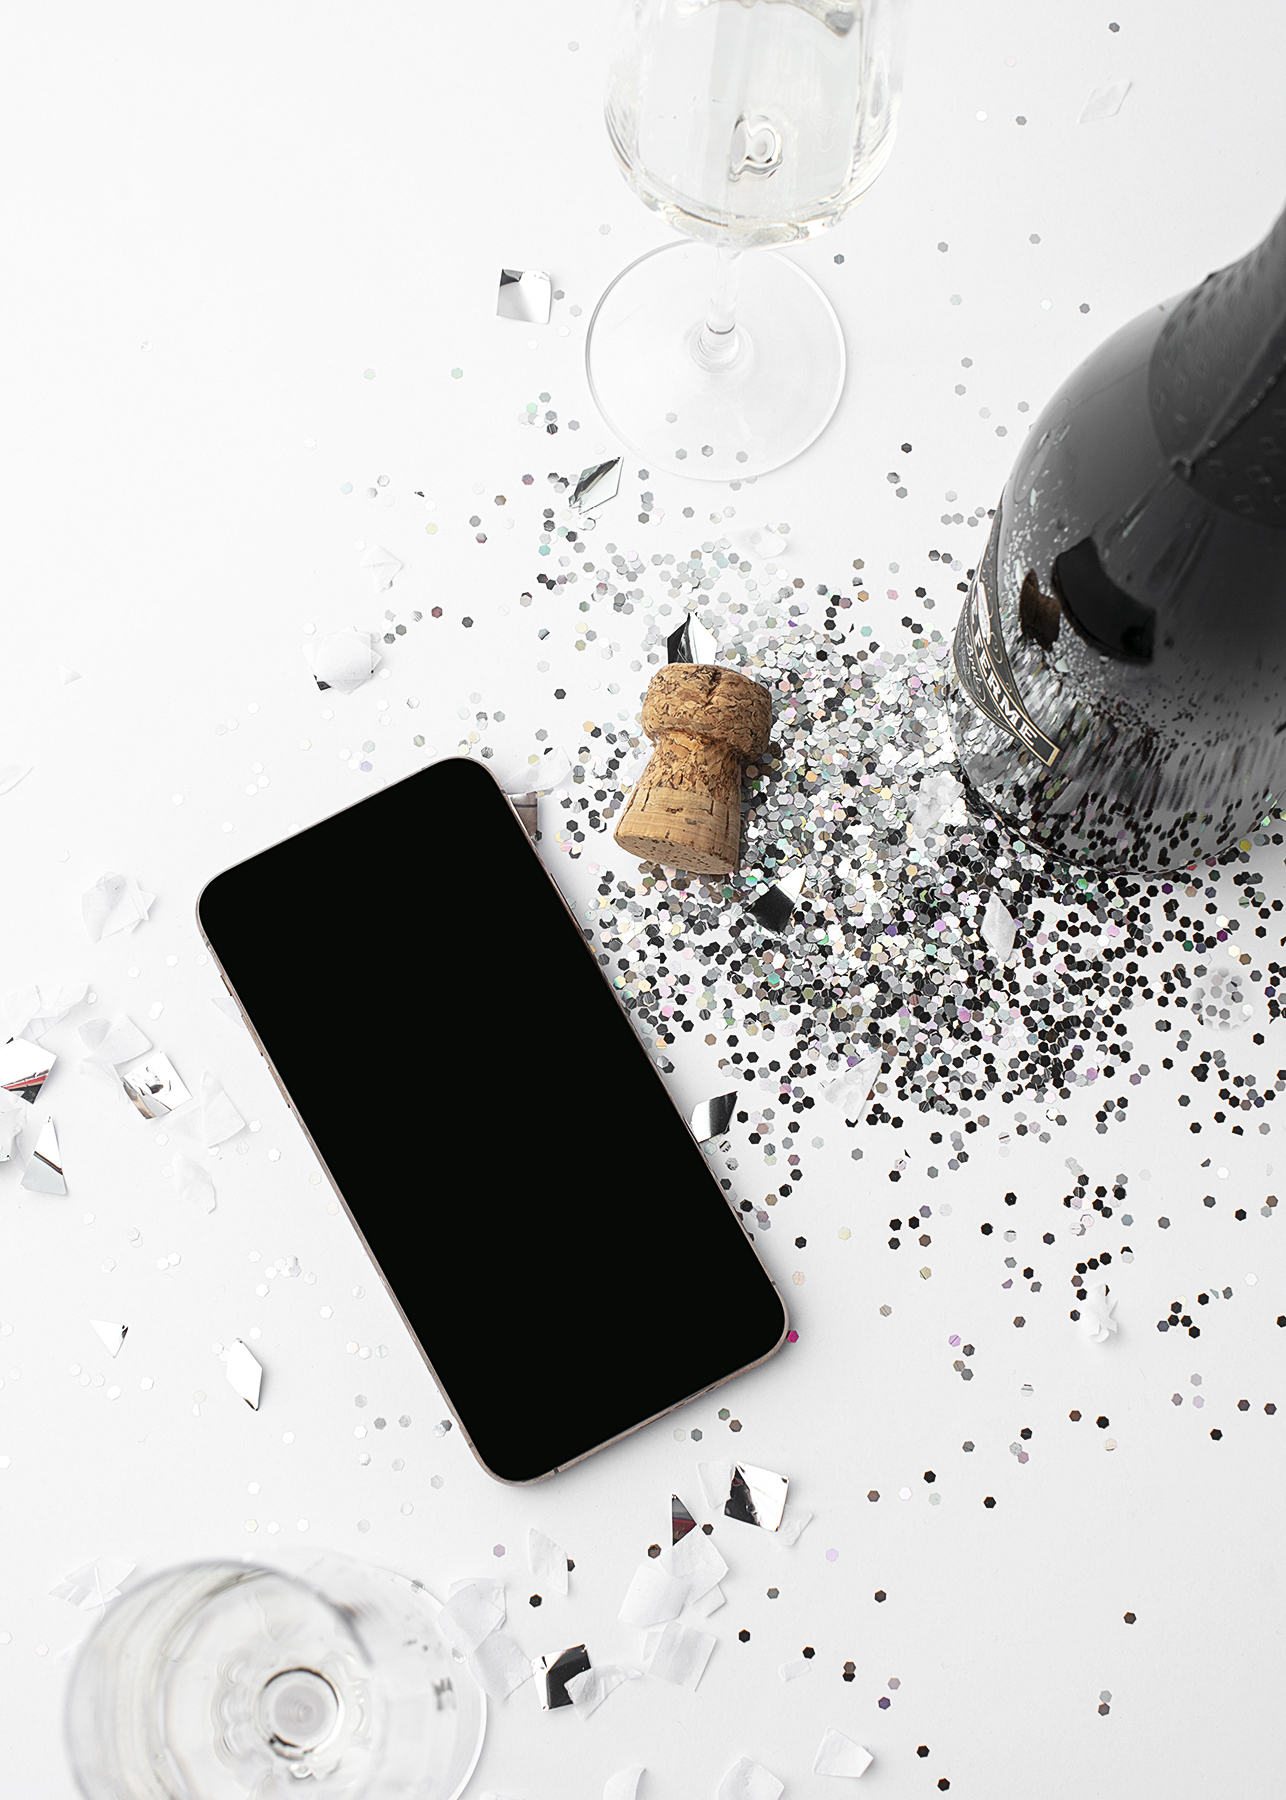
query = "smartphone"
{"x": 532, "y": 1198}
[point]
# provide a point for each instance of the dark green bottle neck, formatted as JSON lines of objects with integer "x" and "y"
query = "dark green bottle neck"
{"x": 1217, "y": 384}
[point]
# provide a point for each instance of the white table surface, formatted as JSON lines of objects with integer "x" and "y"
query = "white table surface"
{"x": 216, "y": 221}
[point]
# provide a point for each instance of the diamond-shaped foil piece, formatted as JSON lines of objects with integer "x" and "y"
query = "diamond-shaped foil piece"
{"x": 553, "y": 1673}
{"x": 524, "y": 294}
{"x": 711, "y": 1118}
{"x": 155, "y": 1086}
{"x": 245, "y": 1374}
{"x": 44, "y": 1173}
{"x": 774, "y": 907}
{"x": 691, "y": 643}
{"x": 681, "y": 1520}
{"x": 23, "y": 1067}
{"x": 596, "y": 485}
{"x": 758, "y": 1497}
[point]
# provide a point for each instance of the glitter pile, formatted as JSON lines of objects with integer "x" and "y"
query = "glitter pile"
{"x": 903, "y": 941}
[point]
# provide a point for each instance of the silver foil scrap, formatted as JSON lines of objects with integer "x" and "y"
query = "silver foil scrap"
{"x": 524, "y": 294}
{"x": 757, "y": 1497}
{"x": 691, "y": 643}
{"x": 44, "y": 1173}
{"x": 23, "y": 1068}
{"x": 711, "y": 1118}
{"x": 596, "y": 485}
{"x": 155, "y": 1086}
{"x": 553, "y": 1673}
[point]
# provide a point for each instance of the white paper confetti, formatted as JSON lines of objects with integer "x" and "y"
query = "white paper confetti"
{"x": 792, "y": 1670}
{"x": 110, "y": 1043}
{"x": 839, "y": 1755}
{"x": 998, "y": 929}
{"x": 696, "y": 1563}
{"x": 382, "y": 565}
{"x": 343, "y": 660}
{"x": 653, "y": 1596}
{"x": 499, "y": 1666}
{"x": 66, "y": 675}
{"x": 114, "y": 903}
{"x": 244, "y": 1373}
{"x": 853, "y": 1089}
{"x": 716, "y": 1481}
{"x": 937, "y": 797}
{"x": 11, "y": 774}
{"x": 487, "y": 1587}
{"x": 220, "y": 1119}
{"x": 709, "y": 1602}
{"x": 552, "y": 771}
{"x": 546, "y": 1561}
{"x": 13, "y": 1116}
{"x": 1096, "y": 1315}
{"x": 94, "y": 1583}
{"x": 588, "y": 1690}
{"x": 1105, "y": 101}
{"x": 32, "y": 1011}
{"x": 749, "y": 1780}
{"x": 794, "y": 1522}
{"x": 678, "y": 1653}
{"x": 624, "y": 1785}
{"x": 468, "y": 1617}
{"x": 113, "y": 1336}
{"x": 195, "y": 1182}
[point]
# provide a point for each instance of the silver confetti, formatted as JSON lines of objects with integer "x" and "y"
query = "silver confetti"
{"x": 524, "y": 294}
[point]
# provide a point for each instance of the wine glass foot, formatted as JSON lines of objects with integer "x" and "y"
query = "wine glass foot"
{"x": 772, "y": 400}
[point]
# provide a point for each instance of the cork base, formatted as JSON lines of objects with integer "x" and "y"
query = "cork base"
{"x": 691, "y": 831}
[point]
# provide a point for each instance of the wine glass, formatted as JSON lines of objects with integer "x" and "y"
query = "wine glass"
{"x": 238, "y": 1681}
{"x": 746, "y": 124}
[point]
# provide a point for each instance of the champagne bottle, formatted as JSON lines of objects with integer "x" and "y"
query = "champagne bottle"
{"x": 1119, "y": 686}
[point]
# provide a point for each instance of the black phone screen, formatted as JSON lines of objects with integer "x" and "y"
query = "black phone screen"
{"x": 535, "y": 1202}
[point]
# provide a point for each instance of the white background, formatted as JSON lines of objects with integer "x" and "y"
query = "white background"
{"x": 215, "y": 221}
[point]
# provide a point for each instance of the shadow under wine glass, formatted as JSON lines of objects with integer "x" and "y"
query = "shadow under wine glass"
{"x": 223, "y": 1680}
{"x": 747, "y": 124}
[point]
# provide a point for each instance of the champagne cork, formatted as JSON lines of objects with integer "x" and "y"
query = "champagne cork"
{"x": 685, "y": 810}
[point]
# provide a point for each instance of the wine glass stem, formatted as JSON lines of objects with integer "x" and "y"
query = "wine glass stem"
{"x": 716, "y": 343}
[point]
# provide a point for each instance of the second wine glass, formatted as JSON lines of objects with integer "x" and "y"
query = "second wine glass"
{"x": 748, "y": 124}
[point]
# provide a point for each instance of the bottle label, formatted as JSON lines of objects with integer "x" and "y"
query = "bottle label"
{"x": 984, "y": 672}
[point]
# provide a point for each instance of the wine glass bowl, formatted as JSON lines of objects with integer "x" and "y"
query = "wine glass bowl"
{"x": 223, "y": 1680}
{"x": 747, "y": 125}
{"x": 755, "y": 124}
